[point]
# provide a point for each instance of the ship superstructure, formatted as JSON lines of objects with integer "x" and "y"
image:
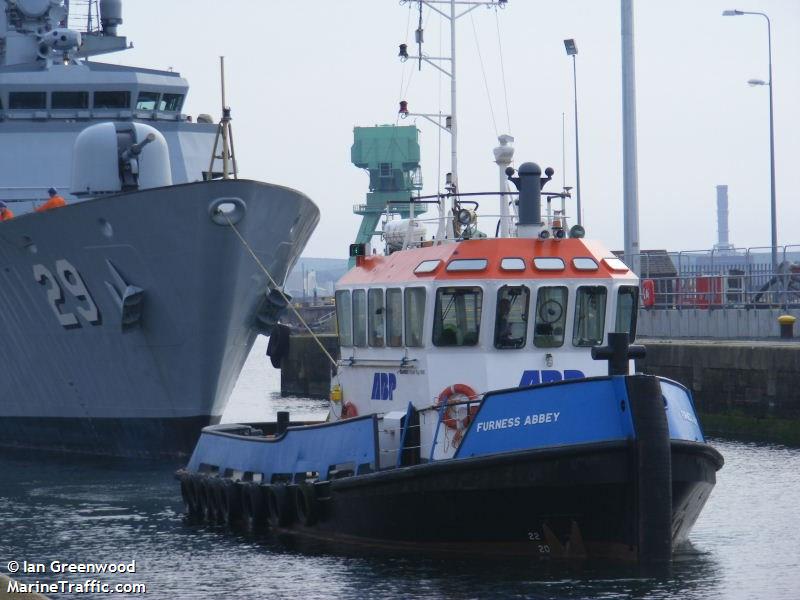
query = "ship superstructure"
{"x": 126, "y": 315}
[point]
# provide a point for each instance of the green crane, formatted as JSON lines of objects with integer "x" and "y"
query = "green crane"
{"x": 390, "y": 154}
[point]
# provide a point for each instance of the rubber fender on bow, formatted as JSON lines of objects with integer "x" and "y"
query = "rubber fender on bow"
{"x": 189, "y": 495}
{"x": 281, "y": 505}
{"x": 306, "y": 504}
{"x": 653, "y": 468}
{"x": 230, "y": 501}
{"x": 278, "y": 346}
{"x": 254, "y": 507}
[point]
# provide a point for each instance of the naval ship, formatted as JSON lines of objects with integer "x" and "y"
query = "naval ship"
{"x": 125, "y": 316}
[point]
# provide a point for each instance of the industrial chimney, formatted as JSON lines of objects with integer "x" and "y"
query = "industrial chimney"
{"x": 723, "y": 244}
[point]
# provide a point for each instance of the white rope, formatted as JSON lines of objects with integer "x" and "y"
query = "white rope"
{"x": 277, "y": 287}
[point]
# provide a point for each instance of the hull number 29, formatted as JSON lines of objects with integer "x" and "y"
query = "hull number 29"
{"x": 67, "y": 281}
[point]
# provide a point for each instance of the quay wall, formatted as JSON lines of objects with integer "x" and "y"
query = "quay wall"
{"x": 743, "y": 389}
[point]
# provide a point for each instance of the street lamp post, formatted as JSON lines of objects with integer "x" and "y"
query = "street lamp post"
{"x": 773, "y": 207}
{"x": 572, "y": 50}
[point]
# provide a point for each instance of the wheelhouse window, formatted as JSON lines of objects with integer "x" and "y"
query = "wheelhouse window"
{"x": 590, "y": 316}
{"x": 344, "y": 317}
{"x": 359, "y": 318}
{"x": 457, "y": 318}
{"x": 172, "y": 102}
{"x": 377, "y": 318}
{"x": 627, "y": 306}
{"x": 27, "y": 100}
{"x": 69, "y": 100}
{"x": 415, "y": 316}
{"x": 394, "y": 317}
{"x": 147, "y": 100}
{"x": 551, "y": 317}
{"x": 112, "y": 99}
{"x": 511, "y": 321}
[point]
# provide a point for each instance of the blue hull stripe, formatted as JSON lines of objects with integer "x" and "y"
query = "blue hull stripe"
{"x": 314, "y": 448}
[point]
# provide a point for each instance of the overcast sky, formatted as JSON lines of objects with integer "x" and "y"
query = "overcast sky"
{"x": 302, "y": 74}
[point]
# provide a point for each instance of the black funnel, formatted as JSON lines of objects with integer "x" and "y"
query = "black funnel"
{"x": 529, "y": 184}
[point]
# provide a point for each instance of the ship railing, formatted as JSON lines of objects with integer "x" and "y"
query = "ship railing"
{"x": 721, "y": 278}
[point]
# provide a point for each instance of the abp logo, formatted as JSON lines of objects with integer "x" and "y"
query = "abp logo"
{"x": 536, "y": 377}
{"x": 383, "y": 386}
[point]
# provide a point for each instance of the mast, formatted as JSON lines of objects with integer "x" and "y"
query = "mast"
{"x": 450, "y": 125}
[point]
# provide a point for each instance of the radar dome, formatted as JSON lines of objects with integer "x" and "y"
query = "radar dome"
{"x": 115, "y": 157}
{"x": 33, "y": 8}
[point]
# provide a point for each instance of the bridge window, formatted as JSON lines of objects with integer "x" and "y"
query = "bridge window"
{"x": 27, "y": 100}
{"x": 69, "y": 100}
{"x": 590, "y": 316}
{"x": 549, "y": 263}
{"x": 147, "y": 100}
{"x": 377, "y": 318}
{"x": 359, "y": 318}
{"x": 394, "y": 317}
{"x": 511, "y": 322}
{"x": 112, "y": 99}
{"x": 457, "y": 318}
{"x": 585, "y": 264}
{"x": 415, "y": 316}
{"x": 172, "y": 102}
{"x": 512, "y": 264}
{"x": 467, "y": 264}
{"x": 627, "y": 305}
{"x": 344, "y": 317}
{"x": 551, "y": 317}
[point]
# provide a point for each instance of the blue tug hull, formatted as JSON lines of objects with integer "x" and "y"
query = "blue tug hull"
{"x": 607, "y": 467}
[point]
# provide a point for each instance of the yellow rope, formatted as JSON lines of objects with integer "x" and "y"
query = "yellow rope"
{"x": 277, "y": 287}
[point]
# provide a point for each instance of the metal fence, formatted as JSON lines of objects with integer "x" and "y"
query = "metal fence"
{"x": 706, "y": 279}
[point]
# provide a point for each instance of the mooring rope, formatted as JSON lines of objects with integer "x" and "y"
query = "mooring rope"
{"x": 277, "y": 287}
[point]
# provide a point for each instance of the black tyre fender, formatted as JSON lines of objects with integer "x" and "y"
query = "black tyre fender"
{"x": 253, "y": 506}
{"x": 205, "y": 498}
{"x": 213, "y": 492}
{"x": 281, "y": 505}
{"x": 230, "y": 501}
{"x": 306, "y": 504}
{"x": 190, "y": 495}
{"x": 278, "y": 345}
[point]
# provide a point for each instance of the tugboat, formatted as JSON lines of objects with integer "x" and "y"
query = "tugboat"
{"x": 482, "y": 403}
{"x": 471, "y": 412}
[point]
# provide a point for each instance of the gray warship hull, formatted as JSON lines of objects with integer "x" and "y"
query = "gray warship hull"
{"x": 126, "y": 319}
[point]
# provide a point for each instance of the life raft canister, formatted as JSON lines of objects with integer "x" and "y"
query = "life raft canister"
{"x": 449, "y": 418}
{"x": 648, "y": 293}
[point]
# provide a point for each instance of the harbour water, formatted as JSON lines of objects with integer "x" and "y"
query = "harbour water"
{"x": 746, "y": 544}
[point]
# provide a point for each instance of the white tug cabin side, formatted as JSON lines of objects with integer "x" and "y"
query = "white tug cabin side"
{"x": 437, "y": 326}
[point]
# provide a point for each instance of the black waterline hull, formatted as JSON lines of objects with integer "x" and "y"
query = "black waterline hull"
{"x": 571, "y": 502}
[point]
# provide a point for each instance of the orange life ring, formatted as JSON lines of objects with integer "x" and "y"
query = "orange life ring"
{"x": 349, "y": 410}
{"x": 448, "y": 418}
{"x": 648, "y": 293}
